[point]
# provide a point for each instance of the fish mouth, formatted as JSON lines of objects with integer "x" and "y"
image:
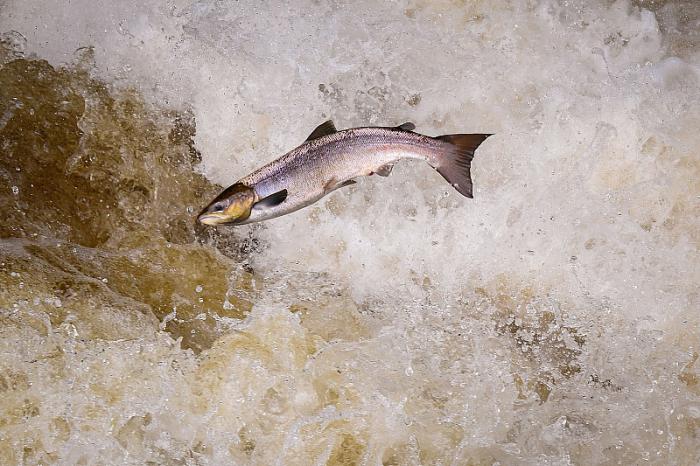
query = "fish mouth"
{"x": 214, "y": 219}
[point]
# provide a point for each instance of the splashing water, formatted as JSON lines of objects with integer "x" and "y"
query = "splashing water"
{"x": 551, "y": 320}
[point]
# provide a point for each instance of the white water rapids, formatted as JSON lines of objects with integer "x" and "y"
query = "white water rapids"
{"x": 553, "y": 319}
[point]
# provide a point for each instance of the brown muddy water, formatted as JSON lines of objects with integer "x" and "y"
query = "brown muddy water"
{"x": 552, "y": 320}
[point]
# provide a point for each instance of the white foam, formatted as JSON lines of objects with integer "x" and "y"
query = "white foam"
{"x": 586, "y": 196}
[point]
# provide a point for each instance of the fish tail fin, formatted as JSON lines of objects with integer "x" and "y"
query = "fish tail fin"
{"x": 455, "y": 162}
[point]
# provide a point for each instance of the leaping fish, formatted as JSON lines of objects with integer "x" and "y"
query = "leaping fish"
{"x": 330, "y": 159}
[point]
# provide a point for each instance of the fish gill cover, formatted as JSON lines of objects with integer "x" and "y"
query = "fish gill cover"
{"x": 551, "y": 320}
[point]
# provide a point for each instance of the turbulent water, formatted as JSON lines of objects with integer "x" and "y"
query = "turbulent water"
{"x": 554, "y": 319}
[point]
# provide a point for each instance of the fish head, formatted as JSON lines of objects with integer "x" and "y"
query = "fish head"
{"x": 232, "y": 206}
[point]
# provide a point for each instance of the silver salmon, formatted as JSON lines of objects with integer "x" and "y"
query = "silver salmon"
{"x": 330, "y": 159}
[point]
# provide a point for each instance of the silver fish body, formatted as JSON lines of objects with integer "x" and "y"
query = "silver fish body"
{"x": 322, "y": 165}
{"x": 331, "y": 159}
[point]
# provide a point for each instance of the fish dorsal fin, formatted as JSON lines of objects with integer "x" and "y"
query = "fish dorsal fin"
{"x": 384, "y": 170}
{"x": 408, "y": 126}
{"x": 272, "y": 200}
{"x": 324, "y": 129}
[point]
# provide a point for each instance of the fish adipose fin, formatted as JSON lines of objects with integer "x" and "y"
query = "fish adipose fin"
{"x": 454, "y": 164}
{"x": 272, "y": 200}
{"x": 408, "y": 126}
{"x": 384, "y": 170}
{"x": 324, "y": 129}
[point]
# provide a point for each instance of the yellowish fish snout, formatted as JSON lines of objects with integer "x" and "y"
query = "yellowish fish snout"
{"x": 233, "y": 205}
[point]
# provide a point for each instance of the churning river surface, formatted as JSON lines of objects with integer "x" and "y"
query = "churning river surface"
{"x": 552, "y": 320}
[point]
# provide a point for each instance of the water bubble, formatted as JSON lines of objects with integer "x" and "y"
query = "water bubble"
{"x": 15, "y": 190}
{"x": 199, "y": 288}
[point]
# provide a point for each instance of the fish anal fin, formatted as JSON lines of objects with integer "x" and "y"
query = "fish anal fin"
{"x": 408, "y": 126}
{"x": 384, "y": 170}
{"x": 332, "y": 185}
{"x": 324, "y": 129}
{"x": 272, "y": 200}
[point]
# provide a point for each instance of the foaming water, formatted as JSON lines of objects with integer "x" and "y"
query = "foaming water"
{"x": 551, "y": 320}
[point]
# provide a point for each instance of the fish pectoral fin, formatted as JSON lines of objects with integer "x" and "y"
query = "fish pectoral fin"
{"x": 272, "y": 200}
{"x": 384, "y": 170}
{"x": 332, "y": 185}
{"x": 408, "y": 126}
{"x": 324, "y": 129}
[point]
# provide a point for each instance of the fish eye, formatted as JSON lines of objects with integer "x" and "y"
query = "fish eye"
{"x": 218, "y": 207}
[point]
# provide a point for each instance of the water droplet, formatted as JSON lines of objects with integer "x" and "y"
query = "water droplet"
{"x": 199, "y": 288}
